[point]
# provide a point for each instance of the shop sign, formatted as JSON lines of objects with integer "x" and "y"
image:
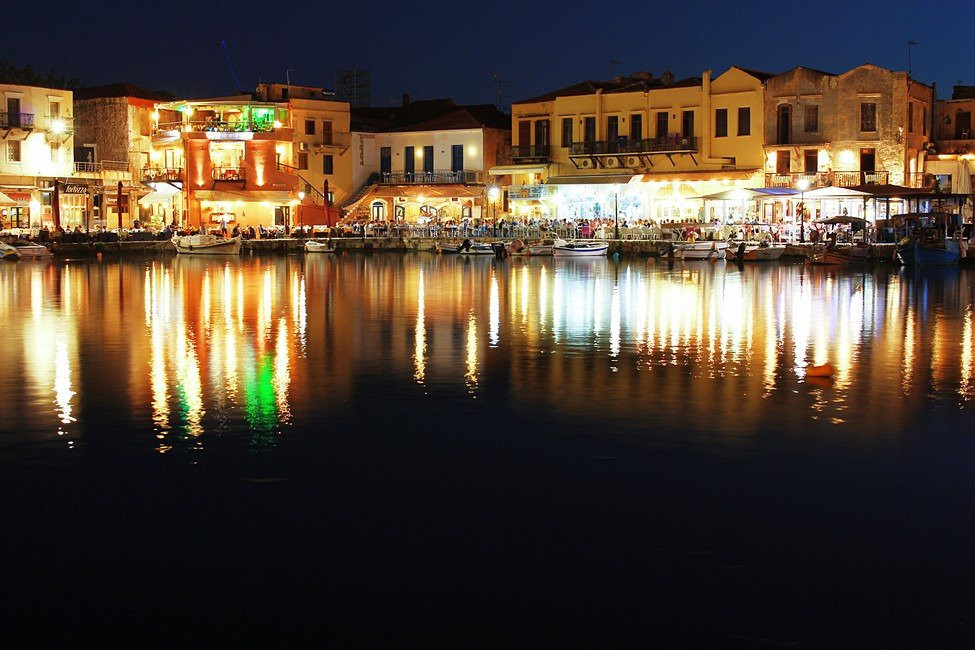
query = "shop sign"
{"x": 525, "y": 192}
{"x": 74, "y": 188}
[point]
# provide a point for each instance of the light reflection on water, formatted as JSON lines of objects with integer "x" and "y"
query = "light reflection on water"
{"x": 246, "y": 351}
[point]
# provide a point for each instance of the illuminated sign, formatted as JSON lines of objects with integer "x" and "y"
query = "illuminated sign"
{"x": 526, "y": 192}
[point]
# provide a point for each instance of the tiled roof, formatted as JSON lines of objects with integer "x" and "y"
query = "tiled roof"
{"x": 121, "y": 90}
{"x": 428, "y": 115}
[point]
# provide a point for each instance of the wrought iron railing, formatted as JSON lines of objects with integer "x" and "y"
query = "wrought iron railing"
{"x": 219, "y": 126}
{"x": 101, "y": 166}
{"x": 532, "y": 151}
{"x": 151, "y": 174}
{"x": 823, "y": 179}
{"x": 851, "y": 179}
{"x": 16, "y": 120}
{"x": 672, "y": 143}
{"x": 432, "y": 178}
{"x": 818, "y": 179}
{"x": 333, "y": 139}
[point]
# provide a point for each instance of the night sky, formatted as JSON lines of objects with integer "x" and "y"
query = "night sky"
{"x": 437, "y": 49}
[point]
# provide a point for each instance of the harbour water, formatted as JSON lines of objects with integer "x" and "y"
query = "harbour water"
{"x": 417, "y": 448}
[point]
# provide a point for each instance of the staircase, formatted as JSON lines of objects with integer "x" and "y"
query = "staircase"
{"x": 375, "y": 177}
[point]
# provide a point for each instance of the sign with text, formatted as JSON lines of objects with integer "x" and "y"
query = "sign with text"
{"x": 526, "y": 192}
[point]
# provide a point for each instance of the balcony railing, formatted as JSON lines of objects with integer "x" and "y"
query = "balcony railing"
{"x": 923, "y": 181}
{"x": 333, "y": 139}
{"x": 162, "y": 174}
{"x": 670, "y": 144}
{"x": 530, "y": 152}
{"x": 432, "y": 178}
{"x": 219, "y": 126}
{"x": 101, "y": 166}
{"x": 823, "y": 179}
{"x": 16, "y": 120}
{"x": 228, "y": 173}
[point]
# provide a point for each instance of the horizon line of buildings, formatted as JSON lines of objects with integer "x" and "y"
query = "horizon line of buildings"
{"x": 643, "y": 147}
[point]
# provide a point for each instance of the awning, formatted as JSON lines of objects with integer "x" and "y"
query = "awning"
{"x": 254, "y": 195}
{"x": 504, "y": 170}
{"x": 17, "y": 198}
{"x": 6, "y": 200}
{"x": 691, "y": 176}
{"x": 594, "y": 179}
{"x": 747, "y": 194}
{"x": 833, "y": 193}
{"x": 156, "y": 197}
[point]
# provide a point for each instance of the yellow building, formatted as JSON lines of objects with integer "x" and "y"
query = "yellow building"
{"x": 645, "y": 147}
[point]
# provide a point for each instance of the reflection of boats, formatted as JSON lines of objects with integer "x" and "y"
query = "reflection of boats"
{"x": 762, "y": 252}
{"x": 207, "y": 245}
{"x": 28, "y": 250}
{"x": 702, "y": 250}
{"x": 312, "y": 246}
{"x": 840, "y": 256}
{"x": 9, "y": 252}
{"x": 562, "y": 248}
{"x": 932, "y": 253}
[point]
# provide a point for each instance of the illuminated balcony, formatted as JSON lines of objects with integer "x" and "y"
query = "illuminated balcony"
{"x": 162, "y": 174}
{"x": 670, "y": 144}
{"x": 531, "y": 153}
{"x": 824, "y": 179}
{"x": 14, "y": 121}
{"x": 234, "y": 173}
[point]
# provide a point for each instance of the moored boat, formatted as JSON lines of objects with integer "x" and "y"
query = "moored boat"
{"x": 312, "y": 246}
{"x": 9, "y": 252}
{"x": 763, "y": 252}
{"x": 207, "y": 245}
{"x": 28, "y": 250}
{"x": 938, "y": 253}
{"x": 562, "y": 248}
{"x": 541, "y": 249}
{"x": 702, "y": 250}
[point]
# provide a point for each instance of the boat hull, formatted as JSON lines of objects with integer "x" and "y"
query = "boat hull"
{"x": 543, "y": 251}
{"x": 189, "y": 246}
{"x": 318, "y": 247}
{"x": 756, "y": 253}
{"x": 919, "y": 256}
{"x": 598, "y": 250}
{"x": 33, "y": 251}
{"x": 705, "y": 250}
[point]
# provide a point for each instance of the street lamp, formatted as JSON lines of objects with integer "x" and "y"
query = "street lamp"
{"x": 494, "y": 194}
{"x": 803, "y": 185}
{"x": 616, "y": 212}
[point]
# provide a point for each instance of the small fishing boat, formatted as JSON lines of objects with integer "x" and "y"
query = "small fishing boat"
{"x": 9, "y": 253}
{"x": 312, "y": 246}
{"x": 936, "y": 253}
{"x": 562, "y": 248}
{"x": 702, "y": 250}
{"x": 823, "y": 370}
{"x": 747, "y": 252}
{"x": 28, "y": 250}
{"x": 541, "y": 249}
{"x": 836, "y": 256}
{"x": 207, "y": 245}
{"x": 477, "y": 248}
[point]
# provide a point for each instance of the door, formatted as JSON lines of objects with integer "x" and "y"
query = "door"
{"x": 868, "y": 160}
{"x": 810, "y": 164}
{"x": 636, "y": 127}
{"x": 784, "y": 124}
{"x": 409, "y": 162}
{"x": 783, "y": 162}
{"x": 326, "y": 132}
{"x": 663, "y": 125}
{"x": 612, "y": 128}
{"x": 385, "y": 160}
{"x": 688, "y": 125}
{"x": 963, "y": 125}
{"x": 378, "y": 211}
{"x": 428, "y": 159}
{"x": 590, "y": 130}
{"x": 541, "y": 133}
{"x": 13, "y": 112}
{"x": 524, "y": 134}
{"x": 457, "y": 158}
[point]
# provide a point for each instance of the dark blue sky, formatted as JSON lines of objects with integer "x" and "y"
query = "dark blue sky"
{"x": 438, "y": 49}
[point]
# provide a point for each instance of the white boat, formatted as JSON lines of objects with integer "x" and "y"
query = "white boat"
{"x": 312, "y": 246}
{"x": 28, "y": 250}
{"x": 754, "y": 252}
{"x": 9, "y": 253}
{"x": 541, "y": 249}
{"x": 477, "y": 248}
{"x": 702, "y": 250}
{"x": 562, "y": 248}
{"x": 207, "y": 245}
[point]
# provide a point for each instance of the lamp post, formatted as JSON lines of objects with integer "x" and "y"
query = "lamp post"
{"x": 493, "y": 195}
{"x": 616, "y": 212}
{"x": 803, "y": 185}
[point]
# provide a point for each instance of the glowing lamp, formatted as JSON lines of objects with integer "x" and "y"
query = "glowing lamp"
{"x": 802, "y": 184}
{"x": 155, "y": 116}
{"x": 277, "y": 124}
{"x": 494, "y": 193}
{"x": 57, "y": 126}
{"x": 301, "y": 196}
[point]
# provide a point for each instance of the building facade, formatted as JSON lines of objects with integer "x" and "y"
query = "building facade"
{"x": 425, "y": 160}
{"x": 642, "y": 147}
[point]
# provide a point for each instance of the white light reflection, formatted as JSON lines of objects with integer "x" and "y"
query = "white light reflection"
{"x": 420, "y": 335}
{"x": 471, "y": 375}
{"x": 494, "y": 313}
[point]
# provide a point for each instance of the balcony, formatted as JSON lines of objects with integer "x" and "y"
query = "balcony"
{"x": 824, "y": 179}
{"x": 24, "y": 121}
{"x": 162, "y": 174}
{"x": 672, "y": 143}
{"x": 333, "y": 140}
{"x": 923, "y": 181}
{"x": 530, "y": 152}
{"x": 228, "y": 173}
{"x": 464, "y": 177}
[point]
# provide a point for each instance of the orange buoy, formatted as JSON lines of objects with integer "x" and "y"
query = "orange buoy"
{"x": 825, "y": 370}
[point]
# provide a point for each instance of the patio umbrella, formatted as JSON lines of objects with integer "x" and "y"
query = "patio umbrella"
{"x": 118, "y": 205}
{"x": 843, "y": 218}
{"x": 56, "y": 205}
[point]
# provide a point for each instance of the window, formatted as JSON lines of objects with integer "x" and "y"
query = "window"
{"x": 409, "y": 160}
{"x": 55, "y": 152}
{"x": 303, "y": 160}
{"x": 613, "y": 128}
{"x": 663, "y": 124}
{"x": 428, "y": 159}
{"x": 744, "y": 120}
{"x": 541, "y": 133}
{"x": 783, "y": 162}
{"x": 13, "y": 151}
{"x": 327, "y": 164}
{"x": 589, "y": 134}
{"x": 566, "y": 131}
{"x": 524, "y": 133}
{"x": 810, "y": 161}
{"x": 910, "y": 117}
{"x": 924, "y": 120}
{"x": 811, "y": 121}
{"x": 326, "y": 132}
{"x": 636, "y": 127}
{"x": 457, "y": 158}
{"x": 55, "y": 108}
{"x": 868, "y": 117}
{"x": 688, "y": 124}
{"x": 721, "y": 122}
{"x": 309, "y": 127}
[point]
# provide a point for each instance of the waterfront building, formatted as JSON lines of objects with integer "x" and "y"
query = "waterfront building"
{"x": 425, "y": 160}
{"x": 951, "y": 159}
{"x": 640, "y": 146}
{"x": 36, "y": 153}
{"x": 113, "y": 142}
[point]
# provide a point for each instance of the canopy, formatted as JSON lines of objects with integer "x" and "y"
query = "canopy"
{"x": 250, "y": 195}
{"x": 594, "y": 179}
{"x": 834, "y": 193}
{"x": 705, "y": 175}
{"x": 503, "y": 170}
{"x": 842, "y": 218}
{"x": 739, "y": 193}
{"x": 156, "y": 197}
{"x": 6, "y": 200}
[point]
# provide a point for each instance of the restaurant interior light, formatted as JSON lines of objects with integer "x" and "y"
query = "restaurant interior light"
{"x": 277, "y": 124}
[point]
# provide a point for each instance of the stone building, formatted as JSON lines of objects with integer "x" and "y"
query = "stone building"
{"x": 951, "y": 160}
{"x": 865, "y": 126}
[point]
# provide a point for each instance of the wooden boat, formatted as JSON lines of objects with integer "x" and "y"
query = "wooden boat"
{"x": 9, "y": 252}
{"x": 840, "y": 256}
{"x": 562, "y": 248}
{"x": 312, "y": 246}
{"x": 702, "y": 250}
{"x": 207, "y": 245}
{"x": 477, "y": 248}
{"x": 541, "y": 250}
{"x": 763, "y": 252}
{"x": 920, "y": 254}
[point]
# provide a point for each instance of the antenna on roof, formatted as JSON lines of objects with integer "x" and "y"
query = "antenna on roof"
{"x": 910, "y": 44}
{"x": 233, "y": 73}
{"x": 499, "y": 85}
{"x": 612, "y": 62}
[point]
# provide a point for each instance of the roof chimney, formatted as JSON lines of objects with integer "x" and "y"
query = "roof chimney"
{"x": 406, "y": 99}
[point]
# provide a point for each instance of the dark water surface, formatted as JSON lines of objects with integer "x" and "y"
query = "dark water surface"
{"x": 398, "y": 449}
